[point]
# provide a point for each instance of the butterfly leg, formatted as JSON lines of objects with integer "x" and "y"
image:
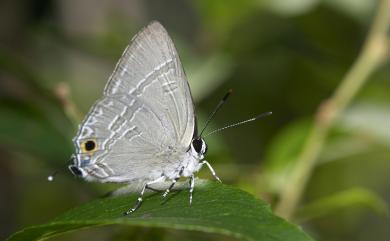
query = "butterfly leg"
{"x": 141, "y": 195}
{"x": 211, "y": 170}
{"x": 192, "y": 184}
{"x": 165, "y": 194}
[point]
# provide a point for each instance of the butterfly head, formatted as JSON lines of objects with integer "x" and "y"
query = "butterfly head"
{"x": 199, "y": 146}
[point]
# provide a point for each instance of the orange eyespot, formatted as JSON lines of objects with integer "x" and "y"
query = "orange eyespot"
{"x": 88, "y": 146}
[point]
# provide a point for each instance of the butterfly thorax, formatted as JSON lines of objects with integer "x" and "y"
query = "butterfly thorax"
{"x": 195, "y": 154}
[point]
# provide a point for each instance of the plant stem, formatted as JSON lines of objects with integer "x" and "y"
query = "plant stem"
{"x": 62, "y": 92}
{"x": 373, "y": 53}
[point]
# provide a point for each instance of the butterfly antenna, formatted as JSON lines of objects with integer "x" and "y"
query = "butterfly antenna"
{"x": 240, "y": 123}
{"x": 216, "y": 109}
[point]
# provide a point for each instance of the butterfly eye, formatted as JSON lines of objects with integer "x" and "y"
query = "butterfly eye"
{"x": 199, "y": 146}
{"x": 88, "y": 146}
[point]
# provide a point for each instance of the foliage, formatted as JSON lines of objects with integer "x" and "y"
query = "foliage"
{"x": 216, "y": 209}
{"x": 287, "y": 57}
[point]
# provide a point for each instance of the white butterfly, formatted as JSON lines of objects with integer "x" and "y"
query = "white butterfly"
{"x": 144, "y": 127}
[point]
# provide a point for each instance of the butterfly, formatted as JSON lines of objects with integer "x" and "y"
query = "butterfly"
{"x": 144, "y": 127}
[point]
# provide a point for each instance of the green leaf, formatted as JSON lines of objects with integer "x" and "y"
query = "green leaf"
{"x": 282, "y": 154}
{"x": 216, "y": 208}
{"x": 345, "y": 199}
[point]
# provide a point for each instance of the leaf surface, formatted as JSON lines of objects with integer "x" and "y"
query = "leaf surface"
{"x": 216, "y": 208}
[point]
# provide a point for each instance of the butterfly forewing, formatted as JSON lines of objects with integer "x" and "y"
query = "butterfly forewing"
{"x": 146, "y": 115}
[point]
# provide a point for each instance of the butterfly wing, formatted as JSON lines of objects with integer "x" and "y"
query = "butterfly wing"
{"x": 145, "y": 120}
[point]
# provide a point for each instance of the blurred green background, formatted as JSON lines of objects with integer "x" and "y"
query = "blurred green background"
{"x": 284, "y": 56}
